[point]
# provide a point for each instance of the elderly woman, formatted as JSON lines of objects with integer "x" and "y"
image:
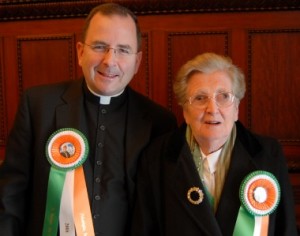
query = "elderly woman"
{"x": 213, "y": 177}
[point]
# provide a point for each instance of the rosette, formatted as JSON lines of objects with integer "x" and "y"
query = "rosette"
{"x": 67, "y": 202}
{"x": 67, "y": 149}
{"x": 260, "y": 193}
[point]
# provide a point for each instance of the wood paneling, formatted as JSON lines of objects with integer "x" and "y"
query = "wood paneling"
{"x": 37, "y": 46}
{"x": 53, "y": 9}
{"x": 45, "y": 59}
{"x": 3, "y": 133}
{"x": 141, "y": 81}
{"x": 274, "y": 84}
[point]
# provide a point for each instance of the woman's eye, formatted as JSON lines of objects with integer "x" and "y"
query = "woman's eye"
{"x": 200, "y": 97}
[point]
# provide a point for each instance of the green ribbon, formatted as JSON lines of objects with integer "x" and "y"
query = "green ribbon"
{"x": 211, "y": 199}
{"x": 244, "y": 224}
{"x": 54, "y": 192}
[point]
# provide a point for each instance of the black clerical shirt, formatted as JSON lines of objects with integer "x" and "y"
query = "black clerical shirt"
{"x": 105, "y": 167}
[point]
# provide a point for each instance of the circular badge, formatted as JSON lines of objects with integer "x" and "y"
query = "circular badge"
{"x": 195, "y": 195}
{"x": 260, "y": 193}
{"x": 67, "y": 149}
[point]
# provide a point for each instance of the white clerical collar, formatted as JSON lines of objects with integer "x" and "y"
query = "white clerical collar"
{"x": 104, "y": 100}
{"x": 212, "y": 159}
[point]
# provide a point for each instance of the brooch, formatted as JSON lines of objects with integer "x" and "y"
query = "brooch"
{"x": 195, "y": 195}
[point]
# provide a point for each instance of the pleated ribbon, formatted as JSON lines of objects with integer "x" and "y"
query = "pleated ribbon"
{"x": 259, "y": 195}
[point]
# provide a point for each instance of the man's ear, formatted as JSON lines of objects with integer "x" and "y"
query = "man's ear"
{"x": 79, "y": 47}
{"x": 138, "y": 60}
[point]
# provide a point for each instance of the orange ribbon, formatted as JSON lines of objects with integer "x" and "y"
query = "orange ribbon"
{"x": 82, "y": 214}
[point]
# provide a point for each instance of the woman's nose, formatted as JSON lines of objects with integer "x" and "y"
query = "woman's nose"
{"x": 211, "y": 105}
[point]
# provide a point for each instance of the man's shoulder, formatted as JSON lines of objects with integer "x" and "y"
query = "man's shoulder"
{"x": 162, "y": 118}
{"x": 52, "y": 88}
{"x": 144, "y": 101}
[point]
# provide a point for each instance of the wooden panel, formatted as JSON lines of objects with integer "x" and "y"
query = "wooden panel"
{"x": 141, "y": 80}
{"x": 185, "y": 45}
{"x": 49, "y": 9}
{"x": 3, "y": 115}
{"x": 274, "y": 84}
{"x": 45, "y": 59}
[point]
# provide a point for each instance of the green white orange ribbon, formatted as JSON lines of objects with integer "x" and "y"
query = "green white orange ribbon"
{"x": 66, "y": 150}
{"x": 259, "y": 195}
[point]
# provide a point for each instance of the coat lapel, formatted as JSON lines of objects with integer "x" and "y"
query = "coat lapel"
{"x": 138, "y": 131}
{"x": 70, "y": 113}
{"x": 138, "y": 127}
{"x": 184, "y": 177}
{"x": 227, "y": 212}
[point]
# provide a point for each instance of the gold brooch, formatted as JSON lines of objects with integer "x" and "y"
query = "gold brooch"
{"x": 195, "y": 195}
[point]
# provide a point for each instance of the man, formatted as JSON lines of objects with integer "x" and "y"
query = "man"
{"x": 105, "y": 122}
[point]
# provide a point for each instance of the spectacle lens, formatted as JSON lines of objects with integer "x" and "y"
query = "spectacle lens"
{"x": 223, "y": 99}
{"x": 103, "y": 49}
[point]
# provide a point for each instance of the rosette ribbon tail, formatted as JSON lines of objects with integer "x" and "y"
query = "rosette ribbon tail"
{"x": 249, "y": 225}
{"x": 82, "y": 214}
{"x": 54, "y": 192}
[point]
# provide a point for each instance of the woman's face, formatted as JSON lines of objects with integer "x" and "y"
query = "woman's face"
{"x": 210, "y": 123}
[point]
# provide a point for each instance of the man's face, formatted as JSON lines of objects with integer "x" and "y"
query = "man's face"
{"x": 108, "y": 73}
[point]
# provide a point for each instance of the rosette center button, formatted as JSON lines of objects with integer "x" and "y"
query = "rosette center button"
{"x": 260, "y": 194}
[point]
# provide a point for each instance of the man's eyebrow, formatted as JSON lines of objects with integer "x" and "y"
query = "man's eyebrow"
{"x": 127, "y": 46}
{"x": 98, "y": 42}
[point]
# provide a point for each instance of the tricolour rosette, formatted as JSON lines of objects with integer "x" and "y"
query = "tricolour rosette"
{"x": 67, "y": 203}
{"x": 260, "y": 193}
{"x": 67, "y": 149}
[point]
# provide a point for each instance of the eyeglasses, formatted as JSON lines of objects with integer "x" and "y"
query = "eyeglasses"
{"x": 222, "y": 99}
{"x": 103, "y": 49}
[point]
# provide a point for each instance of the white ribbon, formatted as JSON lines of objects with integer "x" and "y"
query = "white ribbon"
{"x": 66, "y": 220}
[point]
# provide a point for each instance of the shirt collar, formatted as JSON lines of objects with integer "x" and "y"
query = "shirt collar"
{"x": 212, "y": 159}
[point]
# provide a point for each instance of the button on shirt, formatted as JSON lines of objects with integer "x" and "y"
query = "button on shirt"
{"x": 105, "y": 167}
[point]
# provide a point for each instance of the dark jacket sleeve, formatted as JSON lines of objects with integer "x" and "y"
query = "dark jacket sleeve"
{"x": 147, "y": 220}
{"x": 285, "y": 223}
{"x": 14, "y": 173}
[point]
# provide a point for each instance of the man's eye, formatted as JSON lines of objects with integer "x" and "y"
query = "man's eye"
{"x": 123, "y": 51}
{"x": 101, "y": 48}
